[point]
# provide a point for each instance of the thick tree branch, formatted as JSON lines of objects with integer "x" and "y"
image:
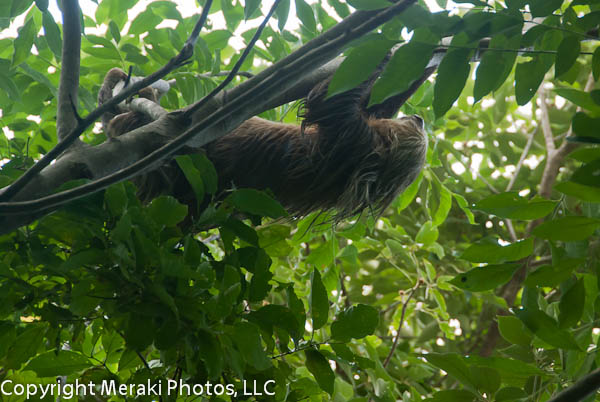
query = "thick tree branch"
{"x": 180, "y": 59}
{"x": 66, "y": 120}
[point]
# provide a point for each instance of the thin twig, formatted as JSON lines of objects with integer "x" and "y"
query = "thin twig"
{"x": 322, "y": 48}
{"x": 524, "y": 154}
{"x": 513, "y": 179}
{"x": 397, "y": 337}
{"x": 519, "y": 51}
{"x": 546, "y": 128}
{"x": 177, "y": 61}
{"x": 236, "y": 68}
{"x": 511, "y": 230}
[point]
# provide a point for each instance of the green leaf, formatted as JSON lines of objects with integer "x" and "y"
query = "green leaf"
{"x": 495, "y": 66}
{"x": 567, "y": 54}
{"x": 167, "y": 211}
{"x": 319, "y": 303}
{"x": 139, "y": 333}
{"x": 513, "y": 330}
{"x": 355, "y": 322}
{"x": 580, "y": 191}
{"x": 427, "y": 234}
{"x": 571, "y": 305}
{"x": 208, "y": 172}
{"x": 405, "y": 199}
{"x": 273, "y": 315}
{"x": 452, "y": 76}
{"x": 528, "y": 78}
{"x": 510, "y": 394}
{"x": 116, "y": 199}
{"x": 320, "y": 369}
{"x": 579, "y": 98}
{"x": 595, "y": 95}
{"x": 553, "y": 275}
{"x": 493, "y": 253}
{"x": 510, "y": 368}
{"x": 369, "y": 4}
{"x": 282, "y": 12}
{"x": 217, "y": 39}
{"x": 485, "y": 278}
{"x": 453, "y": 395}
{"x": 398, "y": 74}
{"x": 512, "y": 206}
{"x": 546, "y": 328}
{"x": 192, "y": 175}
{"x": 114, "y": 30}
{"x": 8, "y": 86}
{"x": 25, "y": 346}
{"x": 596, "y": 64}
{"x": 454, "y": 365}
{"x": 257, "y": 203}
{"x": 570, "y": 228}
{"x": 306, "y": 15}
{"x": 486, "y": 379}
{"x": 52, "y": 34}
{"x": 42, "y": 5}
{"x": 586, "y": 126}
{"x": 52, "y": 364}
{"x": 359, "y": 65}
{"x": 250, "y": 7}
{"x": 210, "y": 351}
{"x": 247, "y": 339}
{"x": 543, "y": 8}
{"x": 24, "y": 42}
{"x": 144, "y": 22}
{"x": 444, "y": 198}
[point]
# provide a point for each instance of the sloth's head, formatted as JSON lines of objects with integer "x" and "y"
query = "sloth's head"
{"x": 397, "y": 156}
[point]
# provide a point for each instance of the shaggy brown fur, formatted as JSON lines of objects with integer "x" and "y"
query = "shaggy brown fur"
{"x": 339, "y": 158}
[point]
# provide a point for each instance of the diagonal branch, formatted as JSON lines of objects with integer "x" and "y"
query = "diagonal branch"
{"x": 66, "y": 119}
{"x": 180, "y": 59}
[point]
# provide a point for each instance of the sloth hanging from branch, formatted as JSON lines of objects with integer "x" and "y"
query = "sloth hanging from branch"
{"x": 343, "y": 157}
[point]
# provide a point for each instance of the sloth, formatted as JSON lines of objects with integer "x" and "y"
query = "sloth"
{"x": 342, "y": 158}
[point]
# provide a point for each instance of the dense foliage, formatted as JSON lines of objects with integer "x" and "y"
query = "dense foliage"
{"x": 458, "y": 292}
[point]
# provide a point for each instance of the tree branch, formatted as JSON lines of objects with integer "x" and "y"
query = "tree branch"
{"x": 401, "y": 322}
{"x": 524, "y": 154}
{"x": 556, "y": 158}
{"x": 176, "y": 62}
{"x": 66, "y": 120}
{"x": 545, "y": 119}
